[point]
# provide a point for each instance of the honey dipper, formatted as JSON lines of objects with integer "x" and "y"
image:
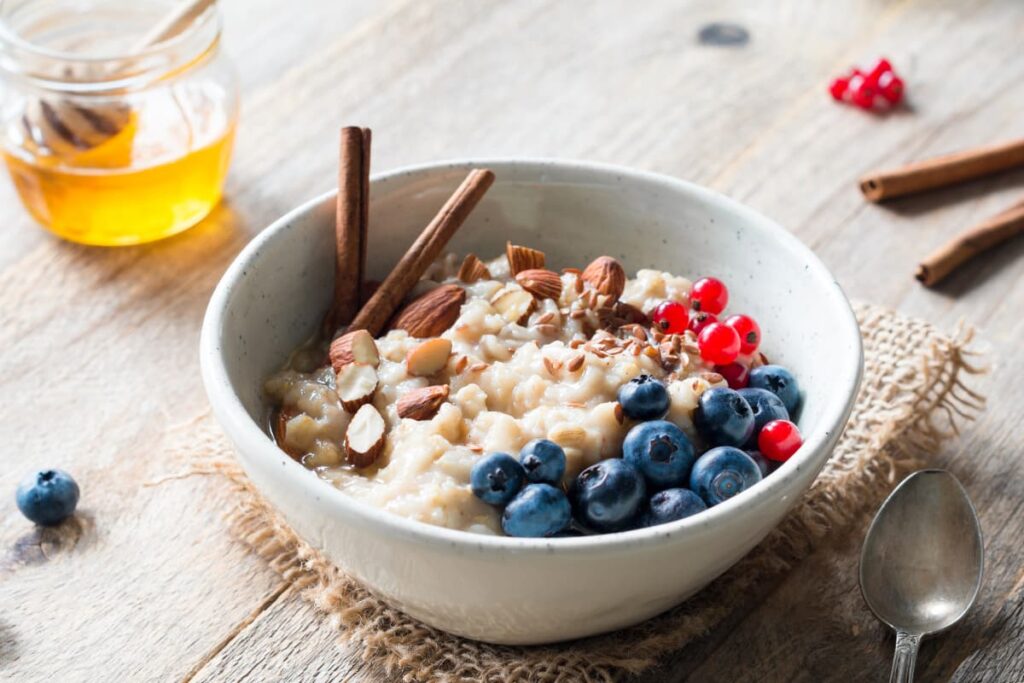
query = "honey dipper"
{"x": 67, "y": 128}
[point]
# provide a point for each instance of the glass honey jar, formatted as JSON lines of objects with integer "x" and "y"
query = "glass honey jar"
{"x": 107, "y": 141}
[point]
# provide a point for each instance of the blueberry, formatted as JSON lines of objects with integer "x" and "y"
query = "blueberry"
{"x": 497, "y": 478}
{"x": 643, "y": 398}
{"x": 606, "y": 496}
{"x": 539, "y": 510}
{"x": 763, "y": 463}
{"x": 780, "y": 382}
{"x": 766, "y": 406}
{"x": 723, "y": 417}
{"x": 672, "y": 504}
{"x": 723, "y": 472}
{"x": 661, "y": 451}
{"x": 544, "y": 461}
{"x": 47, "y": 497}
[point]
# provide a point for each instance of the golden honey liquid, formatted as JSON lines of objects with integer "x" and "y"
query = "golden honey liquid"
{"x": 102, "y": 197}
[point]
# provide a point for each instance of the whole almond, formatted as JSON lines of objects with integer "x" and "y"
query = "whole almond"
{"x": 357, "y": 346}
{"x": 428, "y": 358}
{"x": 606, "y": 275}
{"x": 522, "y": 258}
{"x": 473, "y": 269}
{"x": 432, "y": 313}
{"x": 364, "y": 437}
{"x": 543, "y": 284}
{"x": 356, "y": 385}
{"x": 422, "y": 403}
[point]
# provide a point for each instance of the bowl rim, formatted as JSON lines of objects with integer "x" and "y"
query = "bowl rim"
{"x": 246, "y": 434}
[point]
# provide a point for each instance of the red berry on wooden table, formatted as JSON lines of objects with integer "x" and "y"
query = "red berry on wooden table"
{"x": 779, "y": 440}
{"x": 709, "y": 295}
{"x": 671, "y": 317}
{"x": 719, "y": 344}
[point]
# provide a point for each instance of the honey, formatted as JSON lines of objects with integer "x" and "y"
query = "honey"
{"x": 95, "y": 200}
{"x": 105, "y": 144}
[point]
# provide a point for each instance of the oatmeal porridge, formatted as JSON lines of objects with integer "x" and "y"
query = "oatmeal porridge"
{"x": 488, "y": 357}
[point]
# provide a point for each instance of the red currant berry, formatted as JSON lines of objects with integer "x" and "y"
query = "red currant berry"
{"x": 709, "y": 295}
{"x": 699, "y": 320}
{"x": 750, "y": 333}
{"x": 738, "y": 376}
{"x": 891, "y": 87}
{"x": 778, "y": 440}
{"x": 719, "y": 344}
{"x": 881, "y": 66}
{"x": 671, "y": 317}
{"x": 838, "y": 88}
{"x": 862, "y": 92}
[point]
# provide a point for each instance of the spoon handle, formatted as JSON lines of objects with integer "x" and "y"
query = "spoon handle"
{"x": 905, "y": 657}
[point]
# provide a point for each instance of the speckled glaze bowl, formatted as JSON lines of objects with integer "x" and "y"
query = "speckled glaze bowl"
{"x": 511, "y": 590}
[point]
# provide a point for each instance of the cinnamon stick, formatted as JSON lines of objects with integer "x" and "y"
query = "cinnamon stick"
{"x": 350, "y": 225}
{"x": 987, "y": 234}
{"x": 374, "y": 315}
{"x": 942, "y": 171}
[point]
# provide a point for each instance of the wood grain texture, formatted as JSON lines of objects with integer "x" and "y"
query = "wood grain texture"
{"x": 99, "y": 372}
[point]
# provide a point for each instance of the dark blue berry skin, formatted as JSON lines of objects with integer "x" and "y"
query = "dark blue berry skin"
{"x": 538, "y": 510}
{"x": 780, "y": 382}
{"x": 497, "y": 478}
{"x": 763, "y": 463}
{"x": 721, "y": 473}
{"x": 662, "y": 453}
{"x": 544, "y": 462}
{"x": 672, "y": 504}
{"x": 607, "y": 496}
{"x": 766, "y": 407}
{"x": 47, "y": 497}
{"x": 643, "y": 398}
{"x": 723, "y": 417}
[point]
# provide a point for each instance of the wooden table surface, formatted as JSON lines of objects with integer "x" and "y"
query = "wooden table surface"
{"x": 99, "y": 369}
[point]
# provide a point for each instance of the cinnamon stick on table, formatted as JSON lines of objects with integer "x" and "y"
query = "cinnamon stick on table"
{"x": 376, "y": 312}
{"x": 942, "y": 171}
{"x": 970, "y": 243}
{"x": 350, "y": 224}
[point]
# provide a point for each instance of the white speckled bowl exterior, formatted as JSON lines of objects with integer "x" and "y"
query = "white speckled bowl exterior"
{"x": 519, "y": 591}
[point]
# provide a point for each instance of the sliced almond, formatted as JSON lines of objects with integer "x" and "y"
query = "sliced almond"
{"x": 543, "y": 284}
{"x": 422, "y": 403}
{"x": 606, "y": 275}
{"x": 356, "y": 385}
{"x": 473, "y": 269}
{"x": 522, "y": 258}
{"x": 364, "y": 438}
{"x": 515, "y": 305}
{"x": 568, "y": 436}
{"x": 357, "y": 346}
{"x": 428, "y": 358}
{"x": 432, "y": 313}
{"x": 281, "y": 430}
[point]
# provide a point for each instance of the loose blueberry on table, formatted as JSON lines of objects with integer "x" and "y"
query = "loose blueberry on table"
{"x": 47, "y": 497}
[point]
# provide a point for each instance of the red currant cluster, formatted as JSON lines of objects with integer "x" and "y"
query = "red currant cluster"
{"x": 876, "y": 90}
{"x": 720, "y": 342}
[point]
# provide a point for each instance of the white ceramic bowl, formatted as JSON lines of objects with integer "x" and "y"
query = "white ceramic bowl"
{"x": 509, "y": 590}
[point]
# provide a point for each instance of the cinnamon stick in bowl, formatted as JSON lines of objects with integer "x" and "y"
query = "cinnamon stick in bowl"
{"x": 942, "y": 171}
{"x": 350, "y": 225}
{"x": 987, "y": 234}
{"x": 376, "y": 312}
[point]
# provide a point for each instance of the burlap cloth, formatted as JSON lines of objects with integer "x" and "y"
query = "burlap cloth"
{"x": 911, "y": 398}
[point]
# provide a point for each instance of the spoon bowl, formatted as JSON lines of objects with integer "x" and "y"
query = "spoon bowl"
{"x": 922, "y": 562}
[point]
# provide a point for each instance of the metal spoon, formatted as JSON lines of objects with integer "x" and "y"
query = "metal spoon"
{"x": 921, "y": 566}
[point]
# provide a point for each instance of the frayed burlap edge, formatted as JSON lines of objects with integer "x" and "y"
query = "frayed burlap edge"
{"x": 912, "y": 398}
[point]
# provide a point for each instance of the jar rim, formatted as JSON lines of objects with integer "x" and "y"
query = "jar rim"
{"x": 18, "y": 54}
